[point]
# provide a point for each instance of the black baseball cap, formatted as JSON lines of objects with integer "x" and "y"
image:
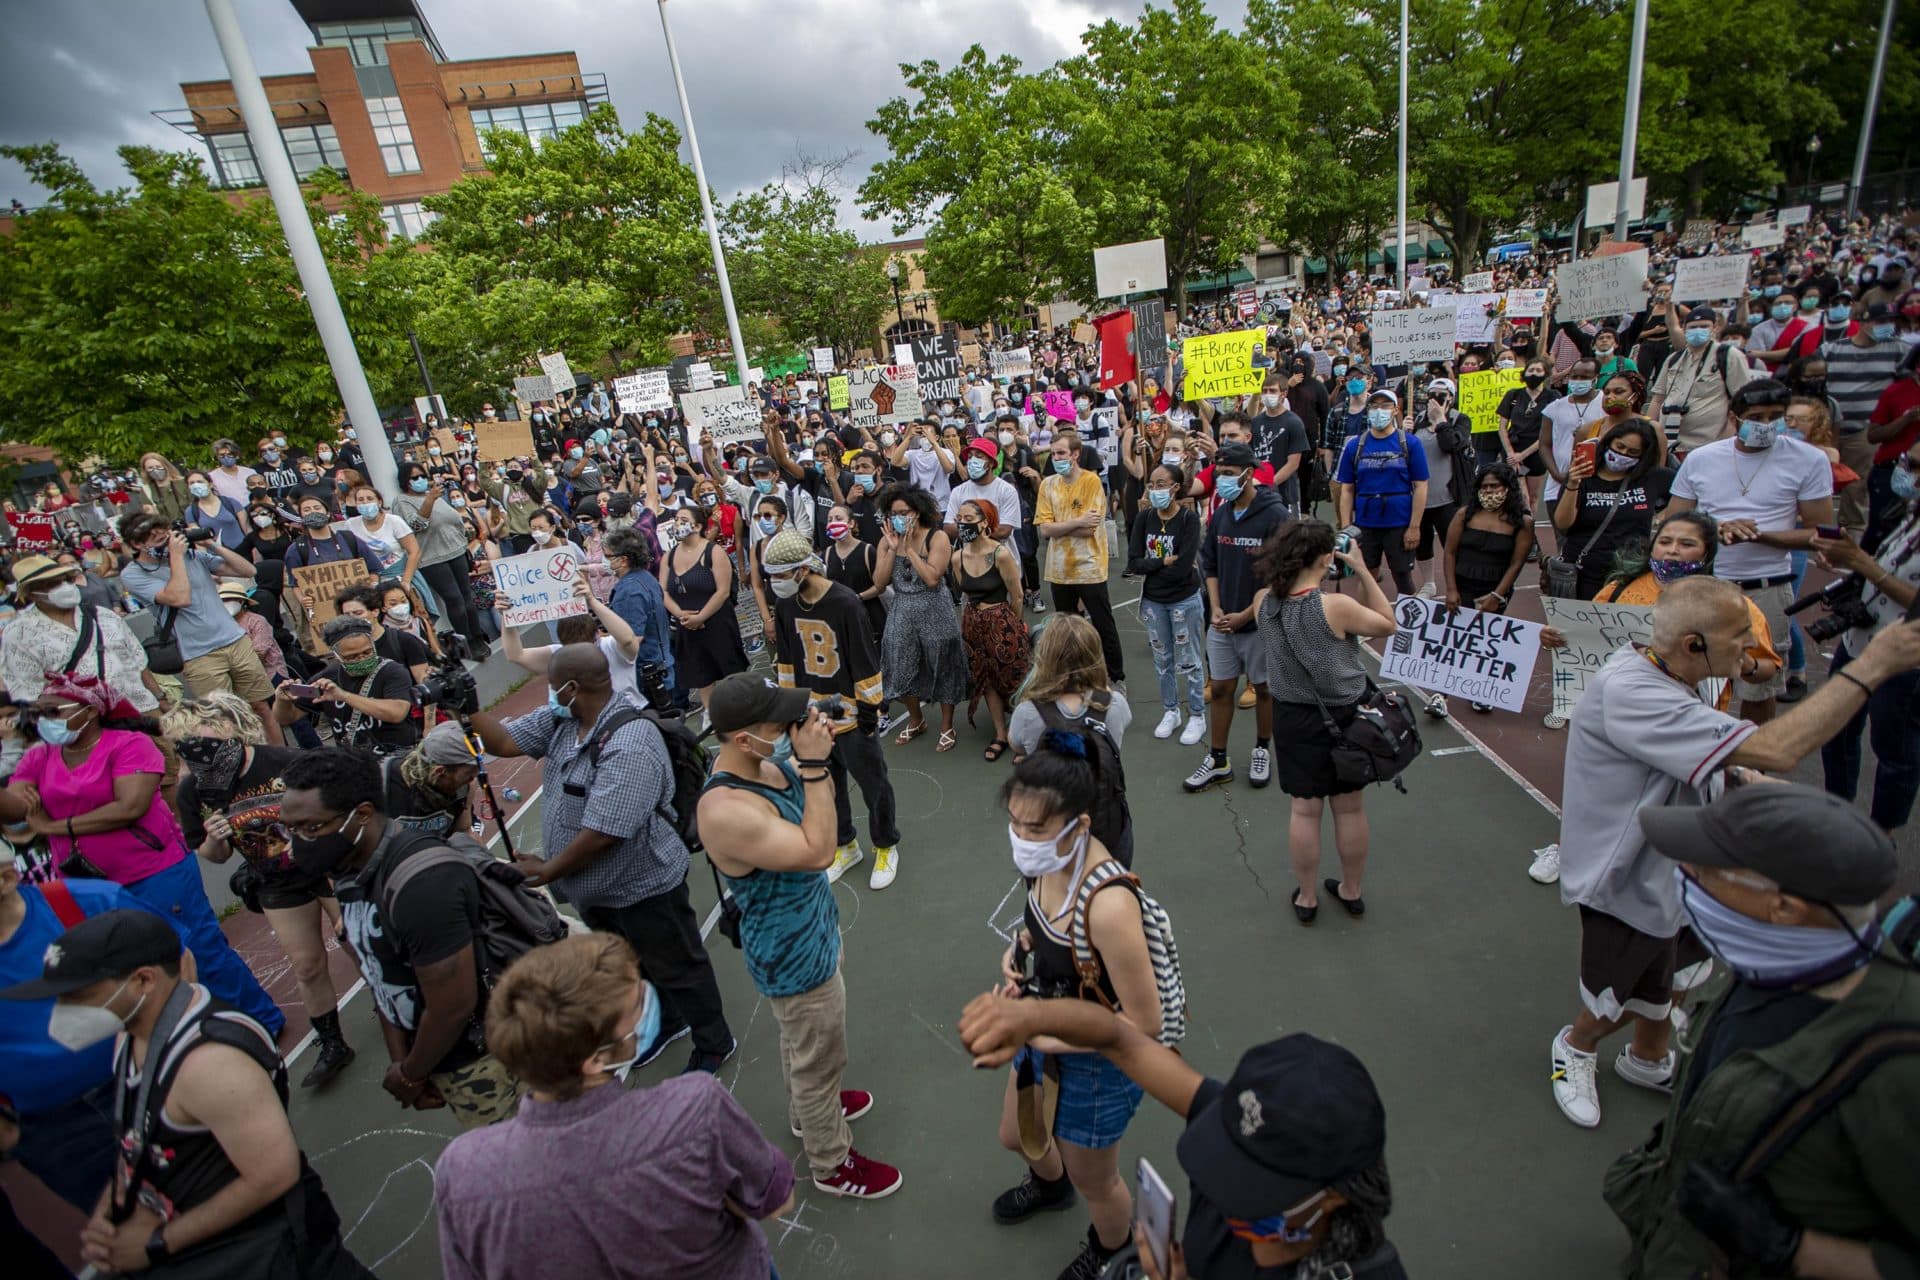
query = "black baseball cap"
{"x": 1812, "y": 844}
{"x": 747, "y": 699}
{"x": 1699, "y": 314}
{"x": 110, "y": 945}
{"x": 1297, "y": 1115}
{"x": 1234, "y": 454}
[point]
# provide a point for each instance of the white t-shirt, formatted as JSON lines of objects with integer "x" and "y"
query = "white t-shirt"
{"x": 624, "y": 673}
{"x": 1899, "y": 556}
{"x": 1765, "y": 486}
{"x": 924, "y": 469}
{"x": 1638, "y": 738}
{"x": 1567, "y": 418}
{"x": 995, "y": 490}
{"x": 383, "y": 542}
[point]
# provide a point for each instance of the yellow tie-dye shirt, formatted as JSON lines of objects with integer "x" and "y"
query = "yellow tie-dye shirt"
{"x": 1079, "y": 559}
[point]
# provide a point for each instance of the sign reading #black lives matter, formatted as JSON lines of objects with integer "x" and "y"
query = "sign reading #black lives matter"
{"x": 1464, "y": 653}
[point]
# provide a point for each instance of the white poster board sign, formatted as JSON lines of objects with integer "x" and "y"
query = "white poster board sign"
{"x": 889, "y": 395}
{"x": 643, "y": 391}
{"x": 724, "y": 413}
{"x": 1463, "y": 653}
{"x": 538, "y": 586}
{"x": 554, "y": 365}
{"x": 1477, "y": 282}
{"x": 1795, "y": 215}
{"x": 823, "y": 359}
{"x": 1611, "y": 286}
{"x": 700, "y": 376}
{"x": 538, "y": 387}
{"x": 1412, "y": 335}
{"x": 1705, "y": 279}
{"x": 1763, "y": 235}
{"x": 1603, "y": 203}
{"x": 1526, "y": 304}
{"x": 1017, "y": 363}
{"x": 1475, "y": 316}
{"x": 424, "y": 405}
{"x": 1139, "y": 267}
{"x": 1593, "y": 631}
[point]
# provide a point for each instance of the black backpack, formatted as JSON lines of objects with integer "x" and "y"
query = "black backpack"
{"x": 514, "y": 919}
{"x": 691, "y": 763}
{"x": 1111, "y": 818}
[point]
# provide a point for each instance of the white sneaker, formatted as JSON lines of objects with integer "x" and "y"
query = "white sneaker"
{"x": 886, "y": 865}
{"x": 1574, "y": 1086}
{"x": 1554, "y": 720}
{"x": 845, "y": 859}
{"x": 1196, "y": 729}
{"x": 1260, "y": 767}
{"x": 1437, "y": 706}
{"x": 1657, "y": 1076}
{"x": 1545, "y": 867}
{"x": 1168, "y": 723}
{"x": 1428, "y": 590}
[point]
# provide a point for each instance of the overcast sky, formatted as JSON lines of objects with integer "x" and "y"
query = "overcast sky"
{"x": 767, "y": 78}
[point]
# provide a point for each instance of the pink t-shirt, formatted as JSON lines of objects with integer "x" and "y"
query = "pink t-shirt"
{"x": 132, "y": 853}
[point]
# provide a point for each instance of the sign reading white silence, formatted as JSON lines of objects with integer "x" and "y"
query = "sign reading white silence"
{"x": 1464, "y": 653}
{"x": 1594, "y": 631}
{"x": 538, "y": 586}
{"x": 1705, "y": 279}
{"x": 1412, "y": 335}
{"x": 1615, "y": 285}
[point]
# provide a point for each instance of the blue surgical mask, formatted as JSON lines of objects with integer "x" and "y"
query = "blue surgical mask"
{"x": 418, "y": 484}
{"x": 1061, "y": 466}
{"x": 976, "y": 468}
{"x": 1699, "y": 337}
{"x": 865, "y": 480}
{"x": 1771, "y": 291}
{"x": 1783, "y": 311}
{"x": 1881, "y": 333}
{"x": 767, "y": 525}
{"x": 645, "y": 1032}
{"x": 557, "y": 709}
{"x": 763, "y": 485}
{"x": 1905, "y": 486}
{"x": 199, "y": 490}
{"x": 55, "y": 731}
{"x": 1161, "y": 498}
{"x": 899, "y": 523}
{"x": 1773, "y": 955}
{"x": 576, "y": 452}
{"x": 1838, "y": 315}
{"x": 1579, "y": 386}
{"x": 1356, "y": 386}
{"x": 1379, "y": 419}
{"x": 1228, "y": 487}
{"x": 1756, "y": 434}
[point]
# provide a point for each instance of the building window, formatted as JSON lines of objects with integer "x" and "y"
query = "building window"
{"x": 234, "y": 164}
{"x": 407, "y": 219}
{"x": 394, "y": 134}
{"x": 312, "y": 147}
{"x": 368, "y": 40}
{"x": 538, "y": 121}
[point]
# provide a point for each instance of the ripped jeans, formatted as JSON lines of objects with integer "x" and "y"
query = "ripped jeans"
{"x": 1176, "y": 633}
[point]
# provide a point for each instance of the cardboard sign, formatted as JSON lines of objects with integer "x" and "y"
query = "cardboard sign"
{"x": 1221, "y": 364}
{"x": 323, "y": 580}
{"x": 970, "y": 354}
{"x": 1481, "y": 394}
{"x": 554, "y": 365}
{"x": 1472, "y": 323}
{"x": 1763, "y": 235}
{"x": 1593, "y": 631}
{"x": 936, "y": 363}
{"x": 1706, "y": 279}
{"x": 724, "y": 413}
{"x": 1083, "y": 334}
{"x": 643, "y": 391}
{"x": 1464, "y": 653}
{"x": 1794, "y": 215}
{"x": 502, "y": 441}
{"x": 532, "y": 389}
{"x": 1524, "y": 304}
{"x": 823, "y": 359}
{"x": 1017, "y": 363}
{"x": 1413, "y": 335}
{"x": 883, "y": 395}
{"x": 1150, "y": 338}
{"x": 837, "y": 393}
{"x": 1595, "y": 287}
{"x": 538, "y": 586}
{"x": 1138, "y": 267}
{"x": 1477, "y": 282}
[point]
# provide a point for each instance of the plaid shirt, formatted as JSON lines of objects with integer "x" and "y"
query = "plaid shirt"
{"x": 629, "y": 796}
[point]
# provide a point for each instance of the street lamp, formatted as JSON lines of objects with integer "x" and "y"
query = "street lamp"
{"x": 1813, "y": 150}
{"x": 893, "y": 278}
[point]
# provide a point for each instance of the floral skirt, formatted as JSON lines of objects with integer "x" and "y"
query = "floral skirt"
{"x": 999, "y": 648}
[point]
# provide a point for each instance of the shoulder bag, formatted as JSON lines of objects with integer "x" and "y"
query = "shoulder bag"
{"x": 1379, "y": 742}
{"x": 163, "y": 651}
{"x": 92, "y": 636}
{"x": 1560, "y": 577}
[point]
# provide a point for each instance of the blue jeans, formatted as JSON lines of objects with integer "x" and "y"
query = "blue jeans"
{"x": 178, "y": 894}
{"x": 1175, "y": 633}
{"x": 1796, "y": 645}
{"x": 70, "y": 1147}
{"x": 1893, "y": 713}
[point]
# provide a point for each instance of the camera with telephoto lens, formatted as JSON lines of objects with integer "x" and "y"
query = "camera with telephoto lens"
{"x": 449, "y": 685}
{"x": 1845, "y": 610}
{"x": 193, "y": 533}
{"x": 1342, "y": 543}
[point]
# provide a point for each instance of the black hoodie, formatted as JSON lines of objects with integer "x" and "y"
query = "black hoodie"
{"x": 1233, "y": 539}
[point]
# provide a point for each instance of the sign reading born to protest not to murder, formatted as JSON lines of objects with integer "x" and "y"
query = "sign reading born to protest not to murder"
{"x": 1483, "y": 657}
{"x": 538, "y": 586}
{"x": 1413, "y": 335}
{"x": 1221, "y": 364}
{"x": 1594, "y": 631}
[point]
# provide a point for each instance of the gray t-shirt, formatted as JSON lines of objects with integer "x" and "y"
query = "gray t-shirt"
{"x": 440, "y": 535}
{"x": 1025, "y": 726}
{"x": 1638, "y": 738}
{"x": 204, "y": 625}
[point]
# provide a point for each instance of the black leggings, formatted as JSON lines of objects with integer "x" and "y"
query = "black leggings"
{"x": 451, "y": 580}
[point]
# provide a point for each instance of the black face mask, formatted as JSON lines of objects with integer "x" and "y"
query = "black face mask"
{"x": 1534, "y": 379}
{"x": 323, "y": 855}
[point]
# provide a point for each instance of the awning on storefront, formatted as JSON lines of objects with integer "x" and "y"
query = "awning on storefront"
{"x": 1237, "y": 276}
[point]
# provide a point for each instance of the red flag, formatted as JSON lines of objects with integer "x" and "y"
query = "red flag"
{"x": 1117, "y": 362}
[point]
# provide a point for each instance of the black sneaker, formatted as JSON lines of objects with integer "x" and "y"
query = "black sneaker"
{"x": 710, "y": 1062}
{"x": 1796, "y": 687}
{"x": 660, "y": 1042}
{"x": 1030, "y": 1197}
{"x": 333, "y": 1059}
{"x": 1091, "y": 1262}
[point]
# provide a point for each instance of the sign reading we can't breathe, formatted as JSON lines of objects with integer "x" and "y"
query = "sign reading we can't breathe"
{"x": 1483, "y": 657}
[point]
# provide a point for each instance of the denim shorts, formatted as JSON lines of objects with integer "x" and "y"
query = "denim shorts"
{"x": 1097, "y": 1101}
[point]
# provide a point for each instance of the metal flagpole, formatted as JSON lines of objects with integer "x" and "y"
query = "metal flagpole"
{"x": 1866, "y": 118}
{"x": 263, "y": 131}
{"x": 1401, "y": 256}
{"x": 1630, "y": 126}
{"x": 706, "y": 205}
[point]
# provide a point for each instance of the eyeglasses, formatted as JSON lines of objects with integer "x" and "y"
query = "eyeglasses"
{"x": 318, "y": 827}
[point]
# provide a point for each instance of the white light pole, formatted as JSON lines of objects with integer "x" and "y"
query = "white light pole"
{"x": 271, "y": 154}
{"x": 1866, "y": 117}
{"x": 1401, "y": 256}
{"x": 1630, "y": 126}
{"x": 706, "y": 206}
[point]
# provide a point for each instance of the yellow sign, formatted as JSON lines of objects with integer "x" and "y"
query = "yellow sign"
{"x": 837, "y": 392}
{"x": 1221, "y": 364}
{"x": 1481, "y": 394}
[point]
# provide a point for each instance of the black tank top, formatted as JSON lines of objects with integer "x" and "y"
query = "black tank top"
{"x": 694, "y": 588}
{"x": 855, "y": 572}
{"x": 983, "y": 588}
{"x": 1053, "y": 971}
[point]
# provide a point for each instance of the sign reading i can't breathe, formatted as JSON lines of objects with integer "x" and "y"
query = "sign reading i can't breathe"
{"x": 538, "y": 586}
{"x": 1483, "y": 657}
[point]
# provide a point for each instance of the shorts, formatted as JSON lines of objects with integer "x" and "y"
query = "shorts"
{"x": 480, "y": 1093}
{"x": 1097, "y": 1101}
{"x": 1303, "y": 750}
{"x": 234, "y": 667}
{"x": 1232, "y": 654}
{"x": 288, "y": 891}
{"x": 1623, "y": 970}
{"x": 1773, "y": 602}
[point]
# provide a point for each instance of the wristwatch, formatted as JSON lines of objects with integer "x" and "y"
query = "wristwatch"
{"x": 157, "y": 1251}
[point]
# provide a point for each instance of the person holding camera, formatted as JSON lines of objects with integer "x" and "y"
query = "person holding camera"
{"x": 1380, "y": 490}
{"x": 768, "y": 818}
{"x": 430, "y": 513}
{"x": 367, "y": 699}
{"x": 1694, "y": 389}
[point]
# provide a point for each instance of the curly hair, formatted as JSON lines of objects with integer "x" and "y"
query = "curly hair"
{"x": 1356, "y": 1229}
{"x": 1514, "y": 510}
{"x": 217, "y": 710}
{"x": 1293, "y": 546}
{"x": 926, "y": 511}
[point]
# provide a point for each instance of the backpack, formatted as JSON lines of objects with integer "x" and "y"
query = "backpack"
{"x": 514, "y": 919}
{"x": 691, "y": 763}
{"x": 1111, "y": 818}
{"x": 1161, "y": 950}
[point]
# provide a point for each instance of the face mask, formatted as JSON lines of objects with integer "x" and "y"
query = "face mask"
{"x": 1665, "y": 571}
{"x": 199, "y": 490}
{"x": 313, "y": 520}
{"x": 557, "y": 709}
{"x": 976, "y": 468}
{"x": 1838, "y": 315}
{"x": 1006, "y": 437}
{"x": 459, "y": 504}
{"x": 1503, "y": 364}
{"x": 270, "y": 455}
{"x": 645, "y": 1032}
{"x": 78, "y": 1027}
{"x": 352, "y": 434}
{"x": 1061, "y": 466}
{"x": 1881, "y": 332}
{"x": 541, "y": 537}
{"x": 326, "y": 455}
{"x": 887, "y": 438}
{"x": 418, "y": 484}
{"x": 1035, "y": 858}
{"x": 323, "y": 855}
{"x": 838, "y": 529}
{"x": 400, "y": 612}
{"x": 1493, "y": 501}
{"x": 1756, "y": 434}
{"x": 1356, "y": 386}
{"x": 1339, "y": 370}
{"x": 1783, "y": 311}
{"x": 228, "y": 459}
{"x": 1083, "y": 404}
{"x": 64, "y": 596}
{"x": 1160, "y": 498}
{"x": 1270, "y": 400}
{"x": 1771, "y": 291}
{"x": 234, "y": 607}
{"x": 967, "y": 533}
{"x": 1379, "y": 419}
{"x": 767, "y": 525}
{"x": 1579, "y": 386}
{"x": 900, "y": 523}
{"x": 1905, "y": 486}
{"x": 158, "y": 473}
{"x": 360, "y": 666}
{"x": 1699, "y": 337}
{"x": 1228, "y": 487}
{"x": 1617, "y": 461}
{"x": 56, "y": 731}
{"x": 786, "y": 588}
{"x": 1772, "y": 955}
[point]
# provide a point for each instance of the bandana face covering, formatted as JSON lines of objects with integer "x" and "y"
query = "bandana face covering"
{"x": 215, "y": 761}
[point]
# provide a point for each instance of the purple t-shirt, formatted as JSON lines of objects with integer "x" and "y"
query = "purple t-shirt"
{"x": 615, "y": 1183}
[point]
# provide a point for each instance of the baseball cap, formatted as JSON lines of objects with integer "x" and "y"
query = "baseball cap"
{"x": 446, "y": 745}
{"x": 1297, "y": 1115}
{"x": 747, "y": 699}
{"x": 1879, "y": 311}
{"x": 1699, "y": 314}
{"x": 1383, "y": 393}
{"x": 761, "y": 462}
{"x": 28, "y": 568}
{"x": 1812, "y": 844}
{"x": 110, "y": 945}
{"x": 1441, "y": 384}
{"x": 1234, "y": 455}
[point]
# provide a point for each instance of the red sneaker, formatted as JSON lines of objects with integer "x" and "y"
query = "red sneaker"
{"x": 861, "y": 1179}
{"x": 854, "y": 1103}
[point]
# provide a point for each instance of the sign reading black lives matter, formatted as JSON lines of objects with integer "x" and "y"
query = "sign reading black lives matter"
{"x": 937, "y": 360}
{"x": 1464, "y": 653}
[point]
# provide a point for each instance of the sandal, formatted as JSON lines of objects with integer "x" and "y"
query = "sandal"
{"x": 1304, "y": 915}
{"x": 946, "y": 741}
{"x": 995, "y": 750}
{"x": 1354, "y": 906}
{"x": 909, "y": 733}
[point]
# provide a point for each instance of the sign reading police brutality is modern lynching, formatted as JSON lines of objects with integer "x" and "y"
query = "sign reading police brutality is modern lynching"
{"x": 1413, "y": 335}
{"x": 936, "y": 360}
{"x": 1221, "y": 364}
{"x": 1615, "y": 285}
{"x": 538, "y": 586}
{"x": 1483, "y": 657}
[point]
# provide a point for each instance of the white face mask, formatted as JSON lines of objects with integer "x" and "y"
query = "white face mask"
{"x": 541, "y": 537}
{"x": 78, "y": 1027}
{"x": 1270, "y": 400}
{"x": 64, "y": 596}
{"x": 1035, "y": 858}
{"x": 786, "y": 588}
{"x": 400, "y": 612}
{"x": 234, "y": 607}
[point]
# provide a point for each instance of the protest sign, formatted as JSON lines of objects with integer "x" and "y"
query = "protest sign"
{"x": 1477, "y": 282}
{"x": 807, "y": 388}
{"x": 1763, "y": 235}
{"x": 1704, "y": 279}
{"x": 538, "y": 586}
{"x": 1603, "y": 202}
{"x": 837, "y": 392}
{"x": 532, "y": 389}
{"x": 1481, "y": 394}
{"x": 1150, "y": 338}
{"x": 1475, "y": 315}
{"x": 554, "y": 365}
{"x": 903, "y": 353}
{"x": 1795, "y": 215}
{"x": 823, "y": 359}
{"x": 936, "y": 362}
{"x": 1139, "y": 267}
{"x": 1611, "y": 286}
{"x": 699, "y": 376}
{"x": 877, "y": 395}
{"x": 1059, "y": 406}
{"x": 643, "y": 391}
{"x": 970, "y": 354}
{"x": 1524, "y": 304}
{"x": 1464, "y": 653}
{"x": 1083, "y": 333}
{"x": 1221, "y": 364}
{"x": 724, "y": 413}
{"x": 1593, "y": 631}
{"x": 32, "y": 533}
{"x": 755, "y": 378}
{"x": 424, "y": 405}
{"x": 502, "y": 441}
{"x": 1248, "y": 302}
{"x": 1103, "y": 433}
{"x": 1017, "y": 363}
{"x": 320, "y": 582}
{"x": 1412, "y": 335}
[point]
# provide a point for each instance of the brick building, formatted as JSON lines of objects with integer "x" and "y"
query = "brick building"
{"x": 383, "y": 105}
